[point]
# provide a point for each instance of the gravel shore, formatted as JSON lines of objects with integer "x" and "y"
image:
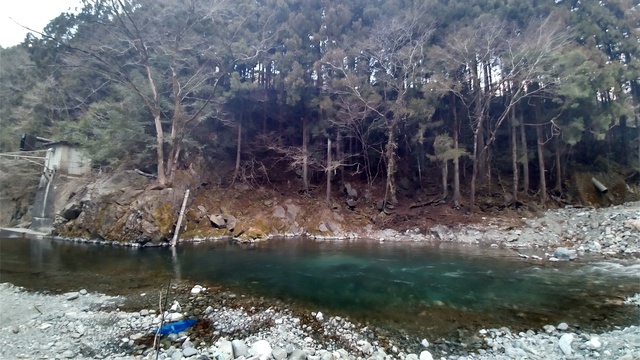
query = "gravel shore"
{"x": 81, "y": 325}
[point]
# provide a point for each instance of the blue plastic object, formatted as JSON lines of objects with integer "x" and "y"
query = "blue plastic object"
{"x": 176, "y": 327}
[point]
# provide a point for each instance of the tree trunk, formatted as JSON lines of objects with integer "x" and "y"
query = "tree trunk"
{"x": 160, "y": 149}
{"x": 514, "y": 156}
{"x": 329, "y": 171}
{"x": 445, "y": 176}
{"x": 156, "y": 111}
{"x": 479, "y": 156}
{"x": 236, "y": 171}
{"x": 543, "y": 183}
{"x": 305, "y": 154}
{"x": 558, "y": 187}
{"x": 340, "y": 156}
{"x": 638, "y": 138}
{"x": 174, "y": 164}
{"x": 525, "y": 156}
{"x": 456, "y": 159}
{"x": 174, "y": 152}
{"x": 624, "y": 146}
{"x": 390, "y": 193}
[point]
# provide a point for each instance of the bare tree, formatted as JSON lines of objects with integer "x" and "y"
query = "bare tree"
{"x": 392, "y": 56}
{"x": 499, "y": 59}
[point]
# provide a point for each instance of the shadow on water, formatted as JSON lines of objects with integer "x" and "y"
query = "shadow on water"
{"x": 410, "y": 287}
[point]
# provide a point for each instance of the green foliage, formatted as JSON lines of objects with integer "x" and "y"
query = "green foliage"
{"x": 365, "y": 69}
{"x": 112, "y": 133}
{"x": 444, "y": 150}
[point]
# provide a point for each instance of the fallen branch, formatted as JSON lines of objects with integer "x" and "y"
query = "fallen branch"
{"x": 140, "y": 172}
{"x": 426, "y": 203}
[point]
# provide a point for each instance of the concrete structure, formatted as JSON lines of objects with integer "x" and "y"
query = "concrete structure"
{"x": 64, "y": 158}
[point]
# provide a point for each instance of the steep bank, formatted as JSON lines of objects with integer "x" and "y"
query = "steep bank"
{"x": 126, "y": 207}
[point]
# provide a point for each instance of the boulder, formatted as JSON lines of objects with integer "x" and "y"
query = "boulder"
{"x": 218, "y": 221}
{"x": 279, "y": 353}
{"x": 71, "y": 211}
{"x": 563, "y": 253}
{"x": 293, "y": 211}
{"x": 633, "y": 223}
{"x": 239, "y": 348}
{"x": 565, "y": 343}
{"x": 298, "y": 354}
{"x": 225, "y": 348}
{"x": 279, "y": 212}
{"x": 230, "y": 221}
{"x": 261, "y": 349}
{"x": 351, "y": 203}
{"x": 322, "y": 227}
{"x": 350, "y": 190}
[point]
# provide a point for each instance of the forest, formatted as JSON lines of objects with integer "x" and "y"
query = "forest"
{"x": 457, "y": 95}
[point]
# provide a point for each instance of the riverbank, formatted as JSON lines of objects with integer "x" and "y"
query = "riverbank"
{"x": 558, "y": 234}
{"x": 80, "y": 325}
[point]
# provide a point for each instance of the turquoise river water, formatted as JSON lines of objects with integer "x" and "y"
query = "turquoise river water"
{"x": 409, "y": 287}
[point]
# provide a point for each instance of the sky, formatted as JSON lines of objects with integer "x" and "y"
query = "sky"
{"x": 34, "y": 14}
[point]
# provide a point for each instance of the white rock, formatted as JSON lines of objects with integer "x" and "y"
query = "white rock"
{"x": 549, "y": 328}
{"x": 425, "y": 355}
{"x": 239, "y": 348}
{"x": 174, "y": 317}
{"x": 197, "y": 290}
{"x": 261, "y": 348}
{"x": 175, "y": 307}
{"x": 319, "y": 316}
{"x": 565, "y": 343}
{"x": 562, "y": 326}
{"x": 594, "y": 343}
{"x": 425, "y": 343}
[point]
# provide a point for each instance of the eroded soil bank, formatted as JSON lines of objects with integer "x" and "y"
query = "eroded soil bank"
{"x": 126, "y": 207}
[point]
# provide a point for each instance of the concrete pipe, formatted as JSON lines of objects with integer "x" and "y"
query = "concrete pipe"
{"x": 601, "y": 188}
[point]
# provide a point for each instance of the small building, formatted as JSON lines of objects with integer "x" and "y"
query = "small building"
{"x": 64, "y": 158}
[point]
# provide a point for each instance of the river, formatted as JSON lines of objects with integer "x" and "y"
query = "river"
{"x": 413, "y": 288}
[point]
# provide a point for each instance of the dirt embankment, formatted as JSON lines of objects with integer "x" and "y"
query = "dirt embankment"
{"x": 127, "y": 206}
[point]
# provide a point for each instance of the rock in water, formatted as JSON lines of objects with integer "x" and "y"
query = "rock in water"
{"x": 564, "y": 254}
{"x": 565, "y": 343}
{"x": 425, "y": 343}
{"x": 425, "y": 355}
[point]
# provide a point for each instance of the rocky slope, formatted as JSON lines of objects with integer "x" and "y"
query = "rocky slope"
{"x": 126, "y": 208}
